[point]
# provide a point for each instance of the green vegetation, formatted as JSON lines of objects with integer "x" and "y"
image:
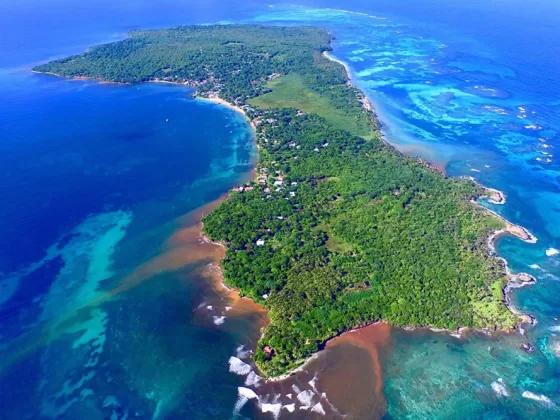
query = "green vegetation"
{"x": 290, "y": 91}
{"x": 339, "y": 229}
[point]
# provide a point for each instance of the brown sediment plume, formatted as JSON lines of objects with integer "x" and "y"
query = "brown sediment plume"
{"x": 184, "y": 236}
{"x": 188, "y": 248}
{"x": 189, "y": 229}
{"x": 244, "y": 317}
{"x": 172, "y": 260}
{"x": 196, "y": 215}
{"x": 343, "y": 381}
{"x": 370, "y": 338}
{"x": 360, "y": 389}
{"x": 185, "y": 247}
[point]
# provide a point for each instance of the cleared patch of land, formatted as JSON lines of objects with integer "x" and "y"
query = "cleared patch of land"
{"x": 290, "y": 91}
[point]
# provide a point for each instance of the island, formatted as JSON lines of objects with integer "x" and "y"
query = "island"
{"x": 338, "y": 229}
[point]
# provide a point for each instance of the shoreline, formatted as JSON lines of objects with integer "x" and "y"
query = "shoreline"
{"x": 496, "y": 197}
{"x": 342, "y": 63}
{"x": 305, "y": 363}
{"x": 516, "y": 231}
{"x": 81, "y": 78}
{"x": 366, "y": 102}
{"x": 229, "y": 105}
{"x": 499, "y": 198}
{"x": 370, "y": 106}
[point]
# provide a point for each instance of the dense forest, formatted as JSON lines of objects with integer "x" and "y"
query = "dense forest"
{"x": 338, "y": 229}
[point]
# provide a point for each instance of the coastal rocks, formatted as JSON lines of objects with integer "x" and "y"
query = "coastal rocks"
{"x": 496, "y": 196}
{"x": 499, "y": 388}
{"x": 521, "y": 233}
{"x": 510, "y": 229}
{"x": 517, "y": 281}
{"x": 527, "y": 347}
{"x": 535, "y": 397}
{"x": 521, "y": 280}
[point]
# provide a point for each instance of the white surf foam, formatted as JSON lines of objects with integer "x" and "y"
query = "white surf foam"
{"x": 247, "y": 393}
{"x": 555, "y": 347}
{"x": 556, "y": 328}
{"x": 535, "y": 267}
{"x": 200, "y": 306}
{"x": 318, "y": 408}
{"x": 550, "y": 252}
{"x": 242, "y": 353}
{"x": 333, "y": 408}
{"x": 305, "y": 398}
{"x": 238, "y": 366}
{"x": 271, "y": 408}
{"x": 219, "y": 320}
{"x": 313, "y": 382}
{"x": 290, "y": 407}
{"x": 499, "y": 388}
{"x": 252, "y": 379}
{"x": 244, "y": 395}
{"x": 536, "y": 397}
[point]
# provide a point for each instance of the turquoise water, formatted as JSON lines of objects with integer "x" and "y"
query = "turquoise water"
{"x": 109, "y": 306}
{"x": 481, "y": 107}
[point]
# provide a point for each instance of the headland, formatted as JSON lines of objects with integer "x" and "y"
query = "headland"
{"x": 338, "y": 229}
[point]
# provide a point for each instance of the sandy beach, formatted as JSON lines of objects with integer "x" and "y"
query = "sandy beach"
{"x": 229, "y": 105}
{"x": 336, "y": 60}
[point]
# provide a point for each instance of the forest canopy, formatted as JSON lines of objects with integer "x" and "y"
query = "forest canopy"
{"x": 338, "y": 229}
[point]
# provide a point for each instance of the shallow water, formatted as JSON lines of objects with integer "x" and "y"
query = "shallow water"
{"x": 479, "y": 107}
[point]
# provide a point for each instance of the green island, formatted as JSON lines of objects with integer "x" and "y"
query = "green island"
{"x": 338, "y": 229}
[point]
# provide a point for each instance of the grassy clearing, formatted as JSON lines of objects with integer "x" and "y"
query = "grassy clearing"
{"x": 289, "y": 91}
{"x": 492, "y": 308}
{"x": 334, "y": 243}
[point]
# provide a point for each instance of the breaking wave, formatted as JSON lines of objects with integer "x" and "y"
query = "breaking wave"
{"x": 238, "y": 366}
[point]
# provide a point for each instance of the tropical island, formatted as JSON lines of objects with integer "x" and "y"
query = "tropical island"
{"x": 338, "y": 229}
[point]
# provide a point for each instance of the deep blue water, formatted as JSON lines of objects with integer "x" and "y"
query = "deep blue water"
{"x": 94, "y": 178}
{"x": 96, "y": 303}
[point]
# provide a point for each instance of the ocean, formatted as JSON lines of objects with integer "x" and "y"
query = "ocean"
{"x": 111, "y": 304}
